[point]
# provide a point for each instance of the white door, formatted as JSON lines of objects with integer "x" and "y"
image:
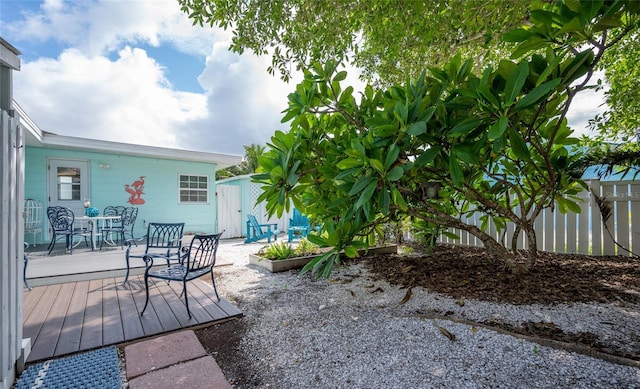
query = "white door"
{"x": 229, "y": 210}
{"x": 69, "y": 184}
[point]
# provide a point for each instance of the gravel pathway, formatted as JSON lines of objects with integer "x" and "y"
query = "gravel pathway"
{"x": 353, "y": 332}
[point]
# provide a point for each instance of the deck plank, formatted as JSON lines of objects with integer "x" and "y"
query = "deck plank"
{"x": 129, "y": 313}
{"x": 33, "y": 322}
{"x": 205, "y": 296}
{"x": 112, "y": 329}
{"x": 31, "y": 299}
{"x": 68, "y": 318}
{"x": 175, "y": 304}
{"x": 228, "y": 309}
{"x": 150, "y": 321}
{"x": 92, "y": 326}
{"x": 161, "y": 308}
{"x": 71, "y": 332}
{"x": 196, "y": 306}
{"x": 47, "y": 339}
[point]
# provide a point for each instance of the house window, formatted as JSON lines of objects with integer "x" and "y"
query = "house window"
{"x": 194, "y": 189}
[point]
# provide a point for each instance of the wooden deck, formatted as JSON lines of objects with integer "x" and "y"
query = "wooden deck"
{"x": 67, "y": 318}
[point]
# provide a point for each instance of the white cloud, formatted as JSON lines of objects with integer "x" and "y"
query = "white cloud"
{"x": 128, "y": 98}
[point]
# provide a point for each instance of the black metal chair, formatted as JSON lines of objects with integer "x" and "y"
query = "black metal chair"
{"x": 120, "y": 227}
{"x": 62, "y": 225}
{"x": 195, "y": 262}
{"x": 164, "y": 240}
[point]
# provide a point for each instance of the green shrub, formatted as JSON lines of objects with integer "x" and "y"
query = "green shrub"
{"x": 305, "y": 248}
{"x": 277, "y": 251}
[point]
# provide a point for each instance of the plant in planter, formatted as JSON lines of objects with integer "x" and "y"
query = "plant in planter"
{"x": 282, "y": 250}
{"x": 282, "y": 256}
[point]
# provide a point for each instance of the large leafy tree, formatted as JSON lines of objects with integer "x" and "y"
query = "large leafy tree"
{"x": 496, "y": 142}
{"x": 390, "y": 40}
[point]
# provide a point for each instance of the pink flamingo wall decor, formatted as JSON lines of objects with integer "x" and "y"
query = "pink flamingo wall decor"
{"x": 135, "y": 191}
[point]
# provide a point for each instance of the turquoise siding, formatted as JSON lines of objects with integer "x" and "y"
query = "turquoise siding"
{"x": 161, "y": 194}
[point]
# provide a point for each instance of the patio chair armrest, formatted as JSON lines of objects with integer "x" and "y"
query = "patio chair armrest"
{"x": 148, "y": 261}
{"x": 129, "y": 242}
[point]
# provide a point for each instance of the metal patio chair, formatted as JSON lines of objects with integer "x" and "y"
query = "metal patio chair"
{"x": 62, "y": 225}
{"x": 195, "y": 262}
{"x": 164, "y": 240}
{"x": 120, "y": 227}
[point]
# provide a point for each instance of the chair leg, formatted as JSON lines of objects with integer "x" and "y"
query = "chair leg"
{"x": 146, "y": 288}
{"x": 24, "y": 272}
{"x": 52, "y": 244}
{"x": 126, "y": 275}
{"x": 213, "y": 282}
{"x": 186, "y": 297}
{"x": 69, "y": 242}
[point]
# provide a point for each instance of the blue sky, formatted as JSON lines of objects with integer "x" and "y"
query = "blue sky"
{"x": 140, "y": 72}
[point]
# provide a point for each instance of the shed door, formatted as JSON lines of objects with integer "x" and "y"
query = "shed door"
{"x": 229, "y": 210}
{"x": 69, "y": 184}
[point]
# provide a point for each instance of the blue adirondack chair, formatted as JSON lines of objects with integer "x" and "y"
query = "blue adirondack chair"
{"x": 299, "y": 225}
{"x": 257, "y": 231}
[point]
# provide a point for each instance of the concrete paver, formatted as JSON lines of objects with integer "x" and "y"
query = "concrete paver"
{"x": 199, "y": 373}
{"x": 161, "y": 352}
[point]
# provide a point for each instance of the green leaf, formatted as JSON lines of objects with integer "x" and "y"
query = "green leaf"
{"x": 417, "y": 128}
{"x": 537, "y": 94}
{"x": 341, "y": 76}
{"x": 517, "y": 35}
{"x": 377, "y": 164}
{"x": 392, "y": 156}
{"x": 515, "y": 82}
{"x": 498, "y": 128}
{"x": 531, "y": 44}
{"x": 366, "y": 194}
{"x": 455, "y": 170}
{"x": 518, "y": 146}
{"x": 351, "y": 251}
{"x": 549, "y": 69}
{"x": 346, "y": 95}
{"x": 395, "y": 173}
{"x": 360, "y": 185}
{"x": 348, "y": 163}
{"x": 465, "y": 126}
{"x": 428, "y": 156}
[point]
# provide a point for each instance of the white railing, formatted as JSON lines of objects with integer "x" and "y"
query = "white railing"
{"x": 582, "y": 232}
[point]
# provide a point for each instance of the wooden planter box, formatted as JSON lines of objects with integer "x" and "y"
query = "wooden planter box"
{"x": 299, "y": 262}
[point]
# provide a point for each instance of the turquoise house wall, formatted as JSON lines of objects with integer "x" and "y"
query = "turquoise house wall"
{"x": 107, "y": 186}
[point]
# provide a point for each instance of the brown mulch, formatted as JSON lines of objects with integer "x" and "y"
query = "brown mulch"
{"x": 467, "y": 272}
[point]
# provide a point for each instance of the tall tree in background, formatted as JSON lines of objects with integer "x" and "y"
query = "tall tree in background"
{"x": 390, "y": 41}
{"x": 248, "y": 165}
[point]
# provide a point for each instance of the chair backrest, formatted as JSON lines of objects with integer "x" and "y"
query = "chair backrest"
{"x": 253, "y": 222}
{"x": 298, "y": 219}
{"x": 61, "y": 218}
{"x": 32, "y": 215}
{"x": 202, "y": 252}
{"x": 114, "y": 210}
{"x": 164, "y": 236}
{"x": 128, "y": 217}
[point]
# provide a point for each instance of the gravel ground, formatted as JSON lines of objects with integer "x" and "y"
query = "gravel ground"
{"x": 353, "y": 332}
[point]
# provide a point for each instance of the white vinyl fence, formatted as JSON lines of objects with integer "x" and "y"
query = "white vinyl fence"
{"x": 582, "y": 232}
